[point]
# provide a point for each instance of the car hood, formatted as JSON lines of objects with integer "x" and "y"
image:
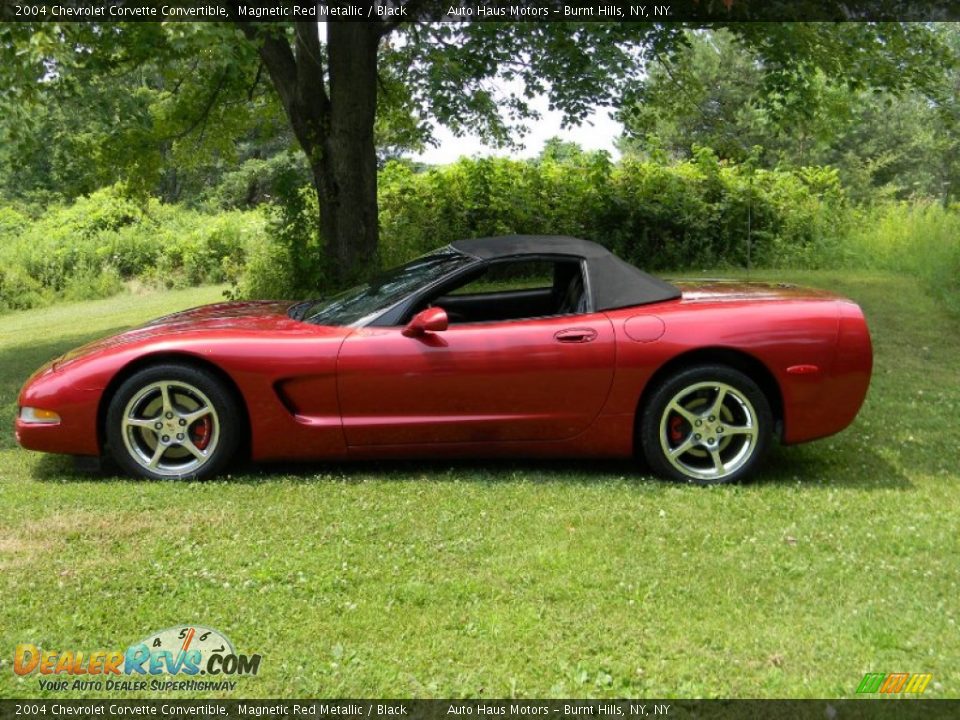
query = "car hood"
{"x": 243, "y": 314}
{"x": 240, "y": 316}
{"x": 704, "y": 290}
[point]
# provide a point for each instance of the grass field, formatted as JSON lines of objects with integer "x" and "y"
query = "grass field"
{"x": 515, "y": 578}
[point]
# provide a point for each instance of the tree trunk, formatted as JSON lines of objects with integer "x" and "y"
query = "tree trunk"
{"x": 334, "y": 130}
{"x": 345, "y": 173}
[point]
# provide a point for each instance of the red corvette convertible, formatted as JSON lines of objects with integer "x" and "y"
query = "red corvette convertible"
{"x": 520, "y": 346}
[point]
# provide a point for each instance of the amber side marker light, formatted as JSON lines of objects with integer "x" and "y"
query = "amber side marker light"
{"x": 38, "y": 416}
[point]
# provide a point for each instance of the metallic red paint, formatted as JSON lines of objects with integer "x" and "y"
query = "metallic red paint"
{"x": 431, "y": 320}
{"x": 558, "y": 386}
{"x": 475, "y": 383}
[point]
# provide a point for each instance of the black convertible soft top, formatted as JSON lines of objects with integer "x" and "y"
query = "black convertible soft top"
{"x": 613, "y": 282}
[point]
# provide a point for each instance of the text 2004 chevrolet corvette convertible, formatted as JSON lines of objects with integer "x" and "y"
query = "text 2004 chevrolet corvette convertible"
{"x": 521, "y": 346}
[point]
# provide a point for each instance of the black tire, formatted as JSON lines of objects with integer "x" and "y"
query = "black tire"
{"x": 685, "y": 437}
{"x": 146, "y": 422}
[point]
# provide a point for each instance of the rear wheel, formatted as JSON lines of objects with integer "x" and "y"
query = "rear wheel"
{"x": 173, "y": 421}
{"x": 707, "y": 424}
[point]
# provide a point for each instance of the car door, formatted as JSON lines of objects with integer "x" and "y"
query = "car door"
{"x": 534, "y": 379}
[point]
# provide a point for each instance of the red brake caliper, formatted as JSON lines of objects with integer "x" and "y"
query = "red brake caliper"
{"x": 201, "y": 433}
{"x": 676, "y": 429}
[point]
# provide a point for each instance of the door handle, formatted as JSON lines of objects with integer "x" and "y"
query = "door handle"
{"x": 576, "y": 335}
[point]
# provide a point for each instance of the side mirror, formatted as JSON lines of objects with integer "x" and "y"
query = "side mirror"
{"x": 430, "y": 320}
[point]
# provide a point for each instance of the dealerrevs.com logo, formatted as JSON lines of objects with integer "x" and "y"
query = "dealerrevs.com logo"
{"x": 185, "y": 650}
{"x": 894, "y": 683}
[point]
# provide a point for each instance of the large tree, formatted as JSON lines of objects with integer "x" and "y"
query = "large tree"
{"x": 470, "y": 76}
{"x": 712, "y": 94}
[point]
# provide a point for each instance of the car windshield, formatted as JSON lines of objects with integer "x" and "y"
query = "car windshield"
{"x": 361, "y": 302}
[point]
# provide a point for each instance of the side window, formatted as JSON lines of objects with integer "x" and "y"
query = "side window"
{"x": 516, "y": 290}
{"x": 511, "y": 276}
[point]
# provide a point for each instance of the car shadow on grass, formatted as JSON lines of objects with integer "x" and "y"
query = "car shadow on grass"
{"x": 802, "y": 468}
{"x": 61, "y": 468}
{"x": 813, "y": 467}
{"x": 784, "y": 466}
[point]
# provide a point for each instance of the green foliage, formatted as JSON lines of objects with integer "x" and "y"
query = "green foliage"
{"x": 918, "y": 239}
{"x": 90, "y": 283}
{"x": 12, "y": 221}
{"x": 258, "y": 180}
{"x": 580, "y": 66}
{"x": 288, "y": 260}
{"x": 170, "y": 109}
{"x": 195, "y": 98}
{"x": 716, "y": 93}
{"x": 89, "y": 249}
{"x": 490, "y": 196}
{"x": 698, "y": 213}
{"x": 165, "y": 108}
{"x": 19, "y": 291}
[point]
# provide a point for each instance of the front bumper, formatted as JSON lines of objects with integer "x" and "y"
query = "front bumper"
{"x": 76, "y": 433}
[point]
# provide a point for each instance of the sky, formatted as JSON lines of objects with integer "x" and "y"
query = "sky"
{"x": 598, "y": 132}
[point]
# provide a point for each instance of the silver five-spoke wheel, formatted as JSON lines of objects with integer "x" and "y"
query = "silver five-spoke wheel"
{"x": 706, "y": 424}
{"x": 171, "y": 428}
{"x": 709, "y": 430}
{"x": 173, "y": 421}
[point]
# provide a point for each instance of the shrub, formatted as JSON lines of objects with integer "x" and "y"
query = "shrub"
{"x": 90, "y": 248}
{"x": 258, "y": 180}
{"x": 92, "y": 284}
{"x": 700, "y": 213}
{"x": 921, "y": 239}
{"x": 12, "y": 223}
{"x": 289, "y": 264}
{"x": 19, "y": 291}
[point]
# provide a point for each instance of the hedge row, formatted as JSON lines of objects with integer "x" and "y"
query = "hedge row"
{"x": 697, "y": 214}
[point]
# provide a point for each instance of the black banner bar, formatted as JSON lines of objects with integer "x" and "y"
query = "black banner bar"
{"x": 640, "y": 11}
{"x": 886, "y": 709}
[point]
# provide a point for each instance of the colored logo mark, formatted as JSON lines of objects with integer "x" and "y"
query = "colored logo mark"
{"x": 894, "y": 683}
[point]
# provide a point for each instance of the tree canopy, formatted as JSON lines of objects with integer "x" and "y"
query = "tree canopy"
{"x": 900, "y": 140}
{"x": 161, "y": 106}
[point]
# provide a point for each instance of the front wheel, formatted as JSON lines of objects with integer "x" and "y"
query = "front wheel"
{"x": 707, "y": 424}
{"x": 173, "y": 421}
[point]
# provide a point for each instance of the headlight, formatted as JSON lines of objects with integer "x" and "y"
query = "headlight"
{"x": 38, "y": 416}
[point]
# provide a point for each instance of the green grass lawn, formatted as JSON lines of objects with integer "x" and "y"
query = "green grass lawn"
{"x": 515, "y": 578}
